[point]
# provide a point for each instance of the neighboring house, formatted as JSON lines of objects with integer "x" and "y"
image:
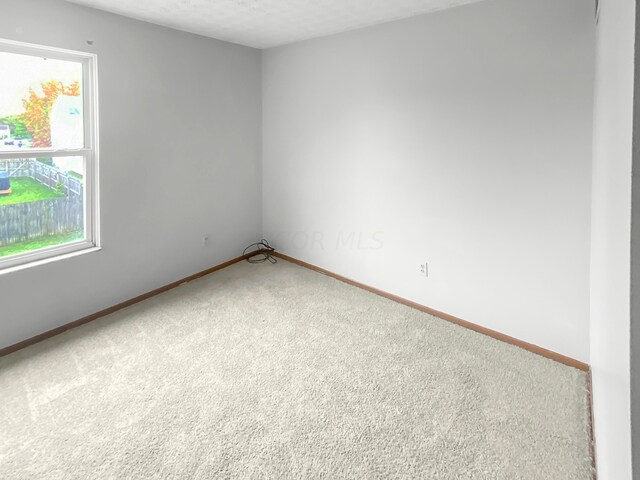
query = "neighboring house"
{"x": 5, "y": 132}
{"x": 67, "y": 131}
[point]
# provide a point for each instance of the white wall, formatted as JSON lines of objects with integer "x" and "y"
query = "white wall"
{"x": 611, "y": 235}
{"x": 160, "y": 194}
{"x": 461, "y": 138}
{"x": 634, "y": 342}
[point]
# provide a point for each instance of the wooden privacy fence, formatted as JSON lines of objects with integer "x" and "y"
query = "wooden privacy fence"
{"x": 48, "y": 175}
{"x": 23, "y": 221}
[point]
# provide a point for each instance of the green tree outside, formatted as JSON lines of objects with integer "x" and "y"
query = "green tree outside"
{"x": 17, "y": 126}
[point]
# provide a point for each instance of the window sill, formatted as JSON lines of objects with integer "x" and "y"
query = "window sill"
{"x": 89, "y": 248}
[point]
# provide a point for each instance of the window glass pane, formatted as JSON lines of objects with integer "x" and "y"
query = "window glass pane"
{"x": 41, "y": 203}
{"x": 41, "y": 103}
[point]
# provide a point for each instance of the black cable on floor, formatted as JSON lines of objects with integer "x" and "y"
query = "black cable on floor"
{"x": 263, "y": 252}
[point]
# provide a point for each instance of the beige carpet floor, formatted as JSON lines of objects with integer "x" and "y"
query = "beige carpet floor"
{"x": 275, "y": 371}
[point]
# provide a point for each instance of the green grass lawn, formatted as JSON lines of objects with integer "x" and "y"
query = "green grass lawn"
{"x": 40, "y": 242}
{"x": 26, "y": 189}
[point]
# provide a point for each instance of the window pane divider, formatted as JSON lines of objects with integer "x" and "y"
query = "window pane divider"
{"x": 41, "y": 152}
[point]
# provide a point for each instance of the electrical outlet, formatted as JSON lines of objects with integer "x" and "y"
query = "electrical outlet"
{"x": 206, "y": 240}
{"x": 423, "y": 269}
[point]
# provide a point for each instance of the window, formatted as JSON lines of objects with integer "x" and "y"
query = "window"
{"x": 48, "y": 153}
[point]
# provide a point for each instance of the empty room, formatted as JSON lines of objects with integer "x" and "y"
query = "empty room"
{"x": 331, "y": 239}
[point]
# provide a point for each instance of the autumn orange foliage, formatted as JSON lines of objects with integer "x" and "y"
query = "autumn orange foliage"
{"x": 37, "y": 109}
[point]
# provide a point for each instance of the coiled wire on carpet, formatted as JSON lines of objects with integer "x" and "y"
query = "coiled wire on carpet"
{"x": 263, "y": 252}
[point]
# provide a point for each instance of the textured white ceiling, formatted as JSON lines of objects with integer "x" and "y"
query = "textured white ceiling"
{"x": 269, "y": 23}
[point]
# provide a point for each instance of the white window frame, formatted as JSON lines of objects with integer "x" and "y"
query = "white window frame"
{"x": 91, "y": 241}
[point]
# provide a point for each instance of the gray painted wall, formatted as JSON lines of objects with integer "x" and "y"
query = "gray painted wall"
{"x": 611, "y": 236}
{"x": 160, "y": 195}
{"x": 461, "y": 138}
{"x": 635, "y": 263}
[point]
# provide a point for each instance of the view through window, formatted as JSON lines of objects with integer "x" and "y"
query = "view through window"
{"x": 46, "y": 152}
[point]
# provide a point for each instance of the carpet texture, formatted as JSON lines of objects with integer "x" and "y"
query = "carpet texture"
{"x": 275, "y": 371}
